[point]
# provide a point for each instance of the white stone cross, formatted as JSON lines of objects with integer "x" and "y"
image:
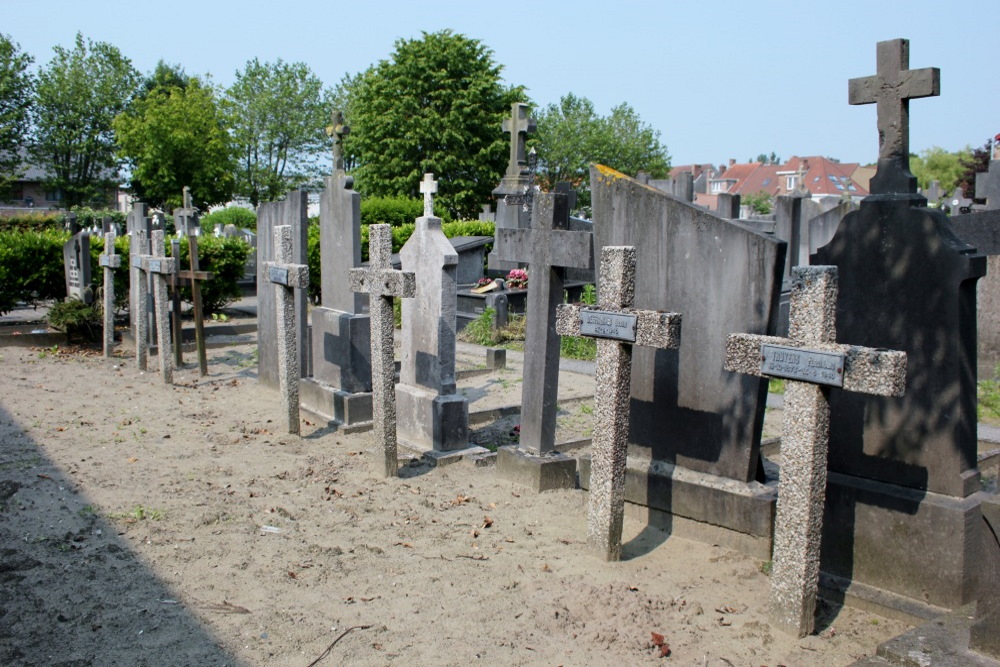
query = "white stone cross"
{"x": 428, "y": 187}
{"x": 160, "y": 267}
{"x": 617, "y": 327}
{"x": 811, "y": 362}
{"x": 110, "y": 261}
{"x": 381, "y": 282}
{"x": 286, "y": 278}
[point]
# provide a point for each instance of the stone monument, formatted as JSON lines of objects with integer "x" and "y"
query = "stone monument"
{"x": 516, "y": 183}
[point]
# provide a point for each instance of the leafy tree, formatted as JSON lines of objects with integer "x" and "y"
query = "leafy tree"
{"x": 764, "y": 158}
{"x": 977, "y": 161}
{"x": 79, "y": 94}
{"x": 16, "y": 88}
{"x": 278, "y": 115}
{"x": 937, "y": 164}
{"x": 435, "y": 106}
{"x": 164, "y": 76}
{"x": 759, "y": 202}
{"x": 176, "y": 136}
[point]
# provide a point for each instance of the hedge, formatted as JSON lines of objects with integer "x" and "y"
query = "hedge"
{"x": 243, "y": 218}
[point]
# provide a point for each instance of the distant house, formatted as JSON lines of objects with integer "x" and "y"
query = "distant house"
{"x": 28, "y": 193}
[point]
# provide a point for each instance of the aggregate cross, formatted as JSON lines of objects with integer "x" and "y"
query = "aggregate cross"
{"x": 617, "y": 327}
{"x": 337, "y": 132}
{"x": 428, "y": 187}
{"x": 381, "y": 282}
{"x": 891, "y": 90}
{"x": 110, "y": 261}
{"x": 548, "y": 249}
{"x": 811, "y": 362}
{"x": 287, "y": 277}
{"x": 518, "y": 125}
{"x": 186, "y": 218}
{"x": 159, "y": 266}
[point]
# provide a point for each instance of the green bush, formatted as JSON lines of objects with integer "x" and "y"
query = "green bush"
{"x": 394, "y": 211}
{"x": 77, "y": 319}
{"x": 88, "y": 217}
{"x": 243, "y": 218}
{"x": 121, "y": 274}
{"x": 31, "y": 267}
{"x": 226, "y": 258}
{"x": 31, "y": 222}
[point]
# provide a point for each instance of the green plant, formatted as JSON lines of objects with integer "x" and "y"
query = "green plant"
{"x": 776, "y": 386}
{"x": 393, "y": 211}
{"x": 765, "y": 567}
{"x": 575, "y": 347}
{"x": 482, "y": 330}
{"x": 988, "y": 394}
{"x": 759, "y": 202}
{"x": 243, "y": 218}
{"x": 77, "y": 319}
{"x": 31, "y": 222}
{"x": 226, "y": 258}
{"x": 139, "y": 513}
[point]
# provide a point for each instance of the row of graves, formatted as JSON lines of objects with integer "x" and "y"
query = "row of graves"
{"x": 880, "y": 501}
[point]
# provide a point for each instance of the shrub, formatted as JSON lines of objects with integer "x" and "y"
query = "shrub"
{"x": 31, "y": 267}
{"x": 393, "y": 211}
{"x": 121, "y": 274}
{"x": 243, "y": 218}
{"x": 226, "y": 258}
{"x": 77, "y": 319}
{"x": 88, "y": 217}
{"x": 31, "y": 222}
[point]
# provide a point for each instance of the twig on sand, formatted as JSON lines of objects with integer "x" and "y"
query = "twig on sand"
{"x": 334, "y": 643}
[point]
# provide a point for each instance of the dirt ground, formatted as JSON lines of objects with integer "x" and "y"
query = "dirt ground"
{"x": 144, "y": 524}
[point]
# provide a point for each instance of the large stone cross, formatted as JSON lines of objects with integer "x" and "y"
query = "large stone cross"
{"x": 286, "y": 278}
{"x": 548, "y": 249}
{"x": 811, "y": 362}
{"x": 159, "y": 266}
{"x": 428, "y": 187}
{"x": 518, "y": 125}
{"x": 337, "y": 132}
{"x": 891, "y": 89}
{"x": 381, "y": 282}
{"x": 618, "y": 327}
{"x": 186, "y": 217}
{"x": 110, "y": 261}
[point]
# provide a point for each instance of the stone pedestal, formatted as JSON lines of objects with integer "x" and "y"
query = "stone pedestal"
{"x": 538, "y": 472}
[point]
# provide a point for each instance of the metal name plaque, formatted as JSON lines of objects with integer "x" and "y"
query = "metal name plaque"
{"x": 137, "y": 261}
{"x": 278, "y": 275}
{"x": 805, "y": 365}
{"x": 104, "y": 260}
{"x": 154, "y": 266}
{"x": 620, "y": 326}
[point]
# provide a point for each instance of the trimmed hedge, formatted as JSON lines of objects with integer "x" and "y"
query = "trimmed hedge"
{"x": 31, "y": 222}
{"x": 226, "y": 258}
{"x": 243, "y": 218}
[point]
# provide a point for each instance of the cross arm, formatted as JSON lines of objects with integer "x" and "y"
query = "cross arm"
{"x": 112, "y": 261}
{"x": 386, "y": 283}
{"x": 188, "y": 275}
{"x": 163, "y": 265}
{"x": 289, "y": 275}
{"x": 568, "y": 249}
{"x": 652, "y": 328}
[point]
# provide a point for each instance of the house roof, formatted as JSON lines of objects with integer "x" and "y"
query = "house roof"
{"x": 823, "y": 176}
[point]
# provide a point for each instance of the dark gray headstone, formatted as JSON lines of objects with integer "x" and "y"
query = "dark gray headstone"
{"x": 823, "y": 226}
{"x": 76, "y": 264}
{"x": 513, "y": 211}
{"x": 728, "y": 206}
{"x": 988, "y": 186}
{"x": 982, "y": 231}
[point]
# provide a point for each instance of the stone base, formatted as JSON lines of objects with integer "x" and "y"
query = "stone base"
{"x": 427, "y": 421}
{"x": 943, "y": 641}
{"x": 470, "y": 455}
{"x": 537, "y": 472}
{"x": 349, "y": 412}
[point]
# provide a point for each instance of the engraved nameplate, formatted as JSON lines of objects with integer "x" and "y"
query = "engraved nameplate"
{"x": 806, "y": 365}
{"x": 137, "y": 261}
{"x": 104, "y": 260}
{"x": 278, "y": 275}
{"x": 620, "y": 326}
{"x": 154, "y": 266}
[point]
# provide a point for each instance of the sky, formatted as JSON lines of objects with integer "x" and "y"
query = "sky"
{"x": 718, "y": 80}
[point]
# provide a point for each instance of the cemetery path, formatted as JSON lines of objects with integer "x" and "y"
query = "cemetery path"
{"x": 142, "y": 523}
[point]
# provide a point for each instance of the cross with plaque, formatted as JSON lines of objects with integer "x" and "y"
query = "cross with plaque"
{"x": 617, "y": 327}
{"x": 287, "y": 277}
{"x": 381, "y": 282}
{"x": 811, "y": 362}
{"x": 159, "y": 266}
{"x": 428, "y": 187}
{"x": 110, "y": 261}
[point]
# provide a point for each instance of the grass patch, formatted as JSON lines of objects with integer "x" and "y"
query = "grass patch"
{"x": 138, "y": 513}
{"x": 988, "y": 395}
{"x": 776, "y": 386}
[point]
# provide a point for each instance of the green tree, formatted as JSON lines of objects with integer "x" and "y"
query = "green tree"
{"x": 176, "y": 136}
{"x": 78, "y": 96}
{"x": 977, "y": 161}
{"x": 278, "y": 113}
{"x": 937, "y": 164}
{"x": 759, "y": 202}
{"x": 436, "y": 105}
{"x": 16, "y": 89}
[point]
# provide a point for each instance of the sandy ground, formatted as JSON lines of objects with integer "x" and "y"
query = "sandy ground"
{"x": 144, "y": 524}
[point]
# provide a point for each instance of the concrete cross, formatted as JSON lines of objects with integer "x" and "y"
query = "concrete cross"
{"x": 158, "y": 266}
{"x": 428, "y": 187}
{"x": 338, "y": 131}
{"x": 287, "y": 277}
{"x": 891, "y": 89}
{"x": 618, "y": 327}
{"x": 381, "y": 282}
{"x": 518, "y": 125}
{"x": 811, "y": 362}
{"x": 139, "y": 294}
{"x": 110, "y": 261}
{"x": 548, "y": 249}
{"x": 186, "y": 217}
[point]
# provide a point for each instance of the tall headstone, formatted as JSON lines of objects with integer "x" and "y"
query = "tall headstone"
{"x": 76, "y": 265}
{"x": 904, "y": 467}
{"x": 988, "y": 186}
{"x": 186, "y": 217}
{"x": 981, "y": 230}
{"x": 512, "y": 213}
{"x": 110, "y": 261}
{"x": 728, "y": 206}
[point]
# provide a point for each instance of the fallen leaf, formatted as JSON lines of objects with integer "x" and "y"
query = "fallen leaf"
{"x": 60, "y": 428}
{"x": 292, "y": 575}
{"x": 487, "y": 522}
{"x": 132, "y": 459}
{"x": 723, "y": 622}
{"x": 658, "y": 639}
{"x": 546, "y": 568}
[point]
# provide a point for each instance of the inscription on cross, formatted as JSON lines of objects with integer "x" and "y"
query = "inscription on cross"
{"x": 428, "y": 187}
{"x": 159, "y": 267}
{"x": 110, "y": 261}
{"x": 518, "y": 125}
{"x": 381, "y": 282}
{"x": 812, "y": 362}
{"x": 891, "y": 90}
{"x": 617, "y": 327}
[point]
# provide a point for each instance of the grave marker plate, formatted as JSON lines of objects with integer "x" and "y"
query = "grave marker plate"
{"x": 806, "y": 365}
{"x": 278, "y": 275}
{"x": 603, "y": 324}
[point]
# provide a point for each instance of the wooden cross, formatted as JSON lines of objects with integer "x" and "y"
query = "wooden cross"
{"x": 192, "y": 278}
{"x": 891, "y": 90}
{"x": 110, "y": 261}
{"x": 159, "y": 266}
{"x": 381, "y": 282}
{"x": 338, "y": 131}
{"x": 549, "y": 249}
{"x": 428, "y": 187}
{"x": 287, "y": 277}
{"x": 617, "y": 327}
{"x": 811, "y": 362}
{"x": 518, "y": 125}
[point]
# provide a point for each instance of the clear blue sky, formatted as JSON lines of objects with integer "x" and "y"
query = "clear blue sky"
{"x": 723, "y": 79}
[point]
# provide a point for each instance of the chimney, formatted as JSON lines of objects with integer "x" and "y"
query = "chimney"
{"x": 732, "y": 162}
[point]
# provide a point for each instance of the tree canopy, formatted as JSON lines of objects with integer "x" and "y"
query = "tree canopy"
{"x": 79, "y": 94}
{"x": 16, "y": 93}
{"x": 937, "y": 164}
{"x": 436, "y": 105}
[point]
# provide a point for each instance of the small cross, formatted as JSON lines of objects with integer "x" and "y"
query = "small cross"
{"x": 338, "y": 131}
{"x": 428, "y": 187}
{"x": 110, "y": 261}
{"x": 811, "y": 362}
{"x": 381, "y": 282}
{"x": 159, "y": 266}
{"x": 618, "y": 327}
{"x": 518, "y": 125}
{"x": 287, "y": 278}
{"x": 891, "y": 89}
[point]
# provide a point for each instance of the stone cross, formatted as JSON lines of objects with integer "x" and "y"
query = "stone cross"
{"x": 186, "y": 217}
{"x": 518, "y": 125}
{"x": 139, "y": 293}
{"x": 891, "y": 89}
{"x": 811, "y": 362}
{"x": 159, "y": 267}
{"x": 381, "y": 282}
{"x": 548, "y": 249}
{"x": 286, "y": 278}
{"x": 958, "y": 202}
{"x": 110, "y": 261}
{"x": 617, "y": 326}
{"x": 338, "y": 131}
{"x": 428, "y": 187}
{"x": 988, "y": 185}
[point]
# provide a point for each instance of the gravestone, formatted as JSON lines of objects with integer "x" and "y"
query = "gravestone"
{"x": 110, "y": 261}
{"x": 958, "y": 203}
{"x": 548, "y": 249}
{"x": 617, "y": 327}
{"x": 904, "y": 467}
{"x": 811, "y": 362}
{"x": 934, "y": 193}
{"x": 988, "y": 186}
{"x": 981, "y": 230}
{"x": 487, "y": 215}
{"x": 76, "y": 265}
{"x": 186, "y": 217}
{"x": 158, "y": 266}
{"x": 428, "y": 187}
{"x": 381, "y": 282}
{"x": 432, "y": 416}
{"x": 516, "y": 183}
{"x": 287, "y": 277}
{"x": 727, "y": 206}
{"x": 823, "y": 226}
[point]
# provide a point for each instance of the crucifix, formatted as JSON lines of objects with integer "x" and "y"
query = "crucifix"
{"x": 617, "y": 326}
{"x": 381, "y": 282}
{"x": 286, "y": 278}
{"x": 891, "y": 90}
{"x": 159, "y": 266}
{"x": 110, "y": 261}
{"x": 191, "y": 278}
{"x": 338, "y": 131}
{"x": 518, "y": 125}
{"x": 811, "y": 362}
{"x": 428, "y": 187}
